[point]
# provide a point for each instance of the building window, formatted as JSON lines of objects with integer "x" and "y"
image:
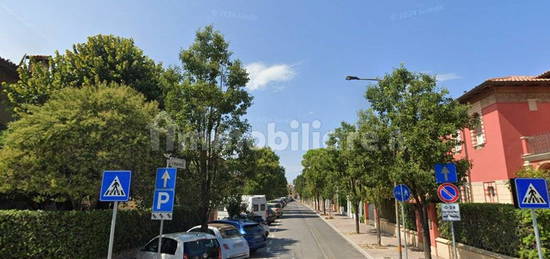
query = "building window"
{"x": 478, "y": 134}
{"x": 458, "y": 138}
{"x": 532, "y": 105}
{"x": 490, "y": 191}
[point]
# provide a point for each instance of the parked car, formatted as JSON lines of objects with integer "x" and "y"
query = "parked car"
{"x": 233, "y": 244}
{"x": 277, "y": 207}
{"x": 252, "y": 218}
{"x": 182, "y": 245}
{"x": 252, "y": 232}
{"x": 271, "y": 216}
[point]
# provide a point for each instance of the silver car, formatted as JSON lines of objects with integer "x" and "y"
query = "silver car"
{"x": 182, "y": 245}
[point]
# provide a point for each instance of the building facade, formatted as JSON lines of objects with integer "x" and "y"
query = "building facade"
{"x": 512, "y": 131}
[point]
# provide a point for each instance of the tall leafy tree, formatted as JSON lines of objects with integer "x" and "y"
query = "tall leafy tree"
{"x": 349, "y": 166}
{"x": 57, "y": 152}
{"x": 102, "y": 58}
{"x": 375, "y": 155}
{"x": 264, "y": 174}
{"x": 208, "y": 103}
{"x": 425, "y": 122}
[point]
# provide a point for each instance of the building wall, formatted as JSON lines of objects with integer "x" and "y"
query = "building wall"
{"x": 507, "y": 115}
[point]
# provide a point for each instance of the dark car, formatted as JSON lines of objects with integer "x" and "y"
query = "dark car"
{"x": 271, "y": 216}
{"x": 252, "y": 232}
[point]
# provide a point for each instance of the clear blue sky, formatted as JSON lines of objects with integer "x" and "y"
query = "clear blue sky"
{"x": 300, "y": 51}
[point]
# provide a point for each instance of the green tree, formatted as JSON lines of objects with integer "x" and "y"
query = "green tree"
{"x": 103, "y": 58}
{"x": 319, "y": 174}
{"x": 425, "y": 121}
{"x": 348, "y": 166}
{"x": 264, "y": 174}
{"x": 373, "y": 150}
{"x": 208, "y": 102}
{"x": 58, "y": 151}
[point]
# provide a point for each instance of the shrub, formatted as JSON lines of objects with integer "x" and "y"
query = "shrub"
{"x": 79, "y": 234}
{"x": 500, "y": 228}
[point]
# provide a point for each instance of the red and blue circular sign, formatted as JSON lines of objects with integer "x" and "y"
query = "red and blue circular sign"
{"x": 448, "y": 193}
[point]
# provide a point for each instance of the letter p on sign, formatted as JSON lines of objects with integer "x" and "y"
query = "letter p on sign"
{"x": 163, "y": 201}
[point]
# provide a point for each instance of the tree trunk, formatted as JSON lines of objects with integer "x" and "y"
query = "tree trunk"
{"x": 324, "y": 208}
{"x": 378, "y": 231}
{"x": 426, "y": 231}
{"x": 356, "y": 207}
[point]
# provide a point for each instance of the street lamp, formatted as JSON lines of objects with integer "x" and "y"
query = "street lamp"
{"x": 357, "y": 78}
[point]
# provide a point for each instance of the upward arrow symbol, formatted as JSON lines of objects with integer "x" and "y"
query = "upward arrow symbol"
{"x": 165, "y": 177}
{"x": 445, "y": 172}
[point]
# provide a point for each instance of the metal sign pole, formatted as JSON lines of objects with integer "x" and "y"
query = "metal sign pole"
{"x": 160, "y": 237}
{"x": 404, "y": 229}
{"x": 112, "y": 234}
{"x": 398, "y": 224}
{"x": 454, "y": 242}
{"x": 537, "y": 235}
{"x": 162, "y": 220}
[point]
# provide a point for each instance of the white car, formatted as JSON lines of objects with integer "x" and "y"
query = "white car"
{"x": 182, "y": 245}
{"x": 231, "y": 241}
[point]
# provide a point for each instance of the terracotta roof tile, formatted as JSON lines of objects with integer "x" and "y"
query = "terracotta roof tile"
{"x": 540, "y": 80}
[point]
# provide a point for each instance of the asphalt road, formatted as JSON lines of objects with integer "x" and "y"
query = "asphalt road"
{"x": 300, "y": 233}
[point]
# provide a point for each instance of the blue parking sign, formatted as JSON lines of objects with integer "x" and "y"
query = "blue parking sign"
{"x": 163, "y": 201}
{"x": 531, "y": 193}
{"x": 115, "y": 186}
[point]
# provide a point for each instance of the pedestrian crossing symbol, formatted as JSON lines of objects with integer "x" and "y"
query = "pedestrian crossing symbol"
{"x": 115, "y": 189}
{"x": 532, "y": 196}
{"x": 531, "y": 193}
{"x": 115, "y": 186}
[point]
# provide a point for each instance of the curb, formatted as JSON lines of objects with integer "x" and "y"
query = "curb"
{"x": 356, "y": 246}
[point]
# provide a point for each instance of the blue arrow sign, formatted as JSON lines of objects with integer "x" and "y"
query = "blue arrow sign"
{"x": 115, "y": 186}
{"x": 402, "y": 192}
{"x": 531, "y": 193}
{"x": 445, "y": 173}
{"x": 166, "y": 178}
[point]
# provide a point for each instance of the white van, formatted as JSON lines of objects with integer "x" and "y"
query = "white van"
{"x": 256, "y": 204}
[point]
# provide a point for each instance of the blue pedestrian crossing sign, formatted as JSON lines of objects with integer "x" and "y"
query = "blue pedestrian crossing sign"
{"x": 164, "y": 195}
{"x": 445, "y": 173}
{"x": 115, "y": 186}
{"x": 531, "y": 193}
{"x": 402, "y": 192}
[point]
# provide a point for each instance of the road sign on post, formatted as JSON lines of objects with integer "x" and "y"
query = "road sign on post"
{"x": 163, "y": 198}
{"x": 445, "y": 173}
{"x": 448, "y": 193}
{"x": 402, "y": 193}
{"x": 176, "y": 162}
{"x": 450, "y": 212}
{"x": 115, "y": 187}
{"x": 531, "y": 193}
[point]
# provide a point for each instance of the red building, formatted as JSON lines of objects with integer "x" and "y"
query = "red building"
{"x": 513, "y": 132}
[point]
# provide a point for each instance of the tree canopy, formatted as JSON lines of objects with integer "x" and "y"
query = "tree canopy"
{"x": 102, "y": 58}
{"x": 57, "y": 151}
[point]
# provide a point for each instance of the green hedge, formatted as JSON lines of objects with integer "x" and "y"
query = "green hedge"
{"x": 79, "y": 234}
{"x": 500, "y": 228}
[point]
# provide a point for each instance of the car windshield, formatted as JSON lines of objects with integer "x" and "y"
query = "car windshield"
{"x": 201, "y": 247}
{"x": 230, "y": 233}
{"x": 249, "y": 229}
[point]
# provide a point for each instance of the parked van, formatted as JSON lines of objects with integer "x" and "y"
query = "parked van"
{"x": 256, "y": 204}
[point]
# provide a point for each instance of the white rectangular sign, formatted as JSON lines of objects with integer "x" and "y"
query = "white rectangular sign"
{"x": 450, "y": 212}
{"x": 176, "y": 162}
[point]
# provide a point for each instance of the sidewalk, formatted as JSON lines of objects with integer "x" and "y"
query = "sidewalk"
{"x": 367, "y": 239}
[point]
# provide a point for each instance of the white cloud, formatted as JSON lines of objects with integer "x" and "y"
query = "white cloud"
{"x": 262, "y": 75}
{"x": 447, "y": 77}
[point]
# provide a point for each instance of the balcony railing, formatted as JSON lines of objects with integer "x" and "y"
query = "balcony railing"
{"x": 536, "y": 145}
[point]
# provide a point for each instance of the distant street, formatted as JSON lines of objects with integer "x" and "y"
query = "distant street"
{"x": 300, "y": 233}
